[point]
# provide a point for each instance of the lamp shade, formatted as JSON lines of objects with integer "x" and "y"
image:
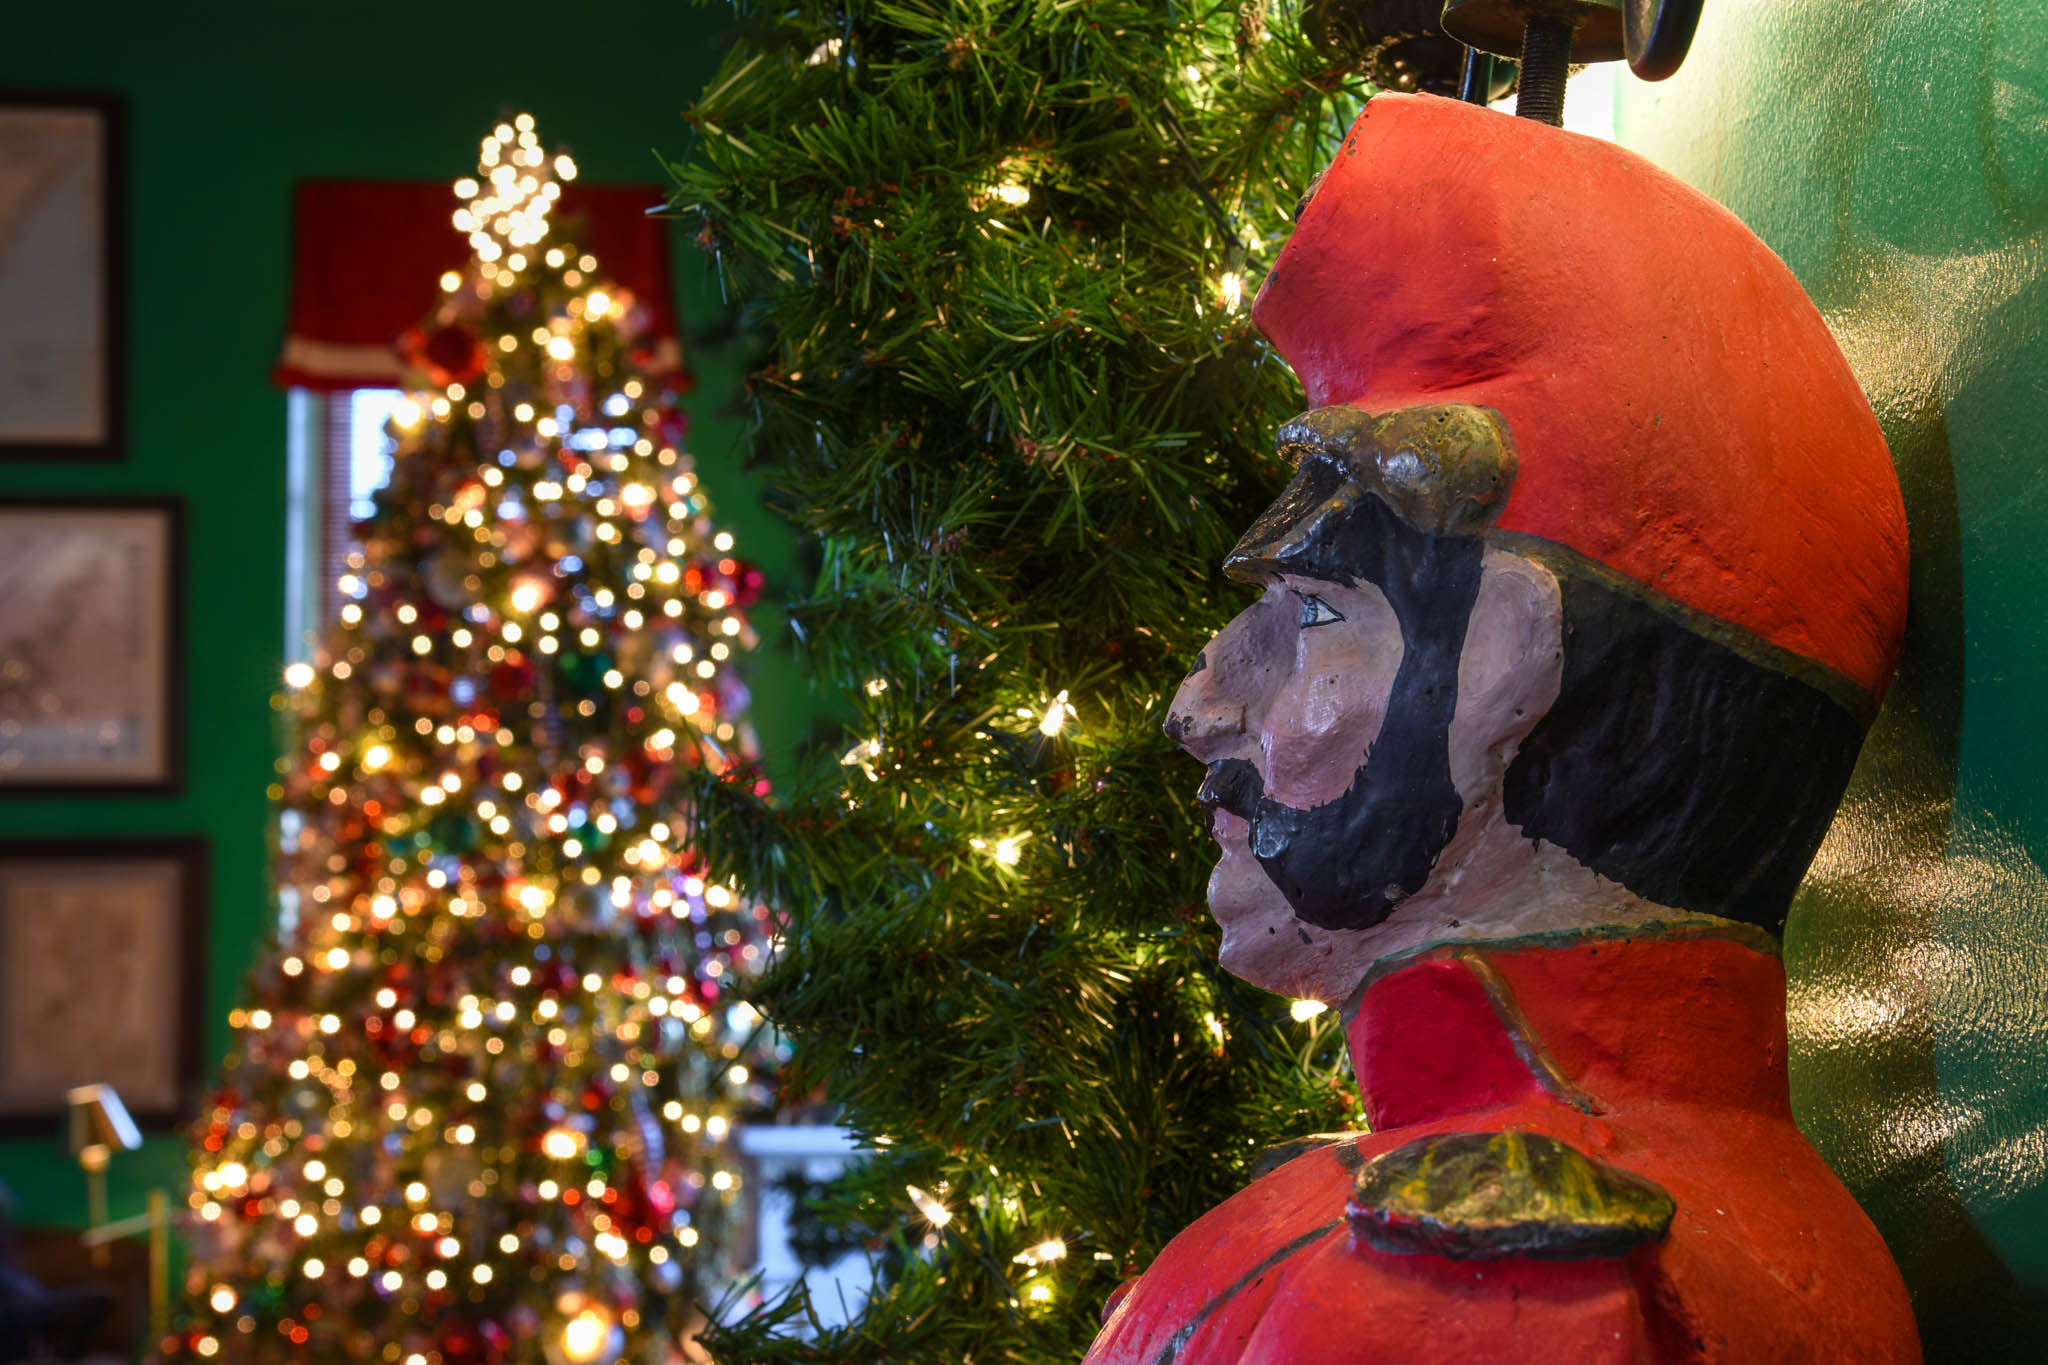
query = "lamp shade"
{"x": 99, "y": 1119}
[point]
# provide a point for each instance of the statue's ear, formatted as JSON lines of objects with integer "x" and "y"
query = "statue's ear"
{"x": 1509, "y": 669}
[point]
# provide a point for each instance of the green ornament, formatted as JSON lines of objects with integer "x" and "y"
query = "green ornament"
{"x": 580, "y": 671}
{"x": 264, "y": 1299}
{"x": 453, "y": 831}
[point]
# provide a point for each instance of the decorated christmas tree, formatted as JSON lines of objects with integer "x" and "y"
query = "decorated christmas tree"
{"x": 1000, "y": 259}
{"x": 481, "y": 1100}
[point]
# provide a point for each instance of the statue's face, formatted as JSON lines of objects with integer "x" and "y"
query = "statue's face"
{"x": 1297, "y": 687}
{"x": 1342, "y": 784}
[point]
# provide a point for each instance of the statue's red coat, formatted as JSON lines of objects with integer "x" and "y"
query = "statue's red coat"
{"x": 1678, "y": 1041}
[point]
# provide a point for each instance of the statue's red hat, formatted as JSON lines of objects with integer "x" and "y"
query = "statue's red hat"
{"x": 1679, "y": 411}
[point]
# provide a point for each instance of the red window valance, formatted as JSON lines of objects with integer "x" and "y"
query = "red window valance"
{"x": 369, "y": 255}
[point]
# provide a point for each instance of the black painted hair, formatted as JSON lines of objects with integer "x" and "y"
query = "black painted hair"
{"x": 1696, "y": 777}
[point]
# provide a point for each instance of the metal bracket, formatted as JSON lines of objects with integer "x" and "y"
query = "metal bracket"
{"x": 1545, "y": 36}
{"x": 1658, "y": 34}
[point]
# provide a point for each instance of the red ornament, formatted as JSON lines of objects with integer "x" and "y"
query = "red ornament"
{"x": 673, "y": 426}
{"x": 427, "y": 689}
{"x": 462, "y": 1342}
{"x": 748, "y": 589}
{"x": 449, "y": 354}
{"x": 643, "y": 1204}
{"x": 512, "y": 679}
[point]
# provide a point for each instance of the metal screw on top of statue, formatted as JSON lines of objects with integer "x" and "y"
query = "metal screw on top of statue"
{"x": 1545, "y": 36}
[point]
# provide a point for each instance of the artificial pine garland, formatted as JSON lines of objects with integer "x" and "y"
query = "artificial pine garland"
{"x": 1000, "y": 254}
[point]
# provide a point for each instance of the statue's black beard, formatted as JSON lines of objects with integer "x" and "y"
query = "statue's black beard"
{"x": 1347, "y": 863}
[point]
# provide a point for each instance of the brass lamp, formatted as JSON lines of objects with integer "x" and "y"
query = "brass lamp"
{"x": 99, "y": 1124}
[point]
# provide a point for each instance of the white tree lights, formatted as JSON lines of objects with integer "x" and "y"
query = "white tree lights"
{"x": 483, "y": 1089}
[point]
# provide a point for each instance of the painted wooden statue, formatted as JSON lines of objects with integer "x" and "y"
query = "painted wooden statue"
{"x": 1591, "y": 576}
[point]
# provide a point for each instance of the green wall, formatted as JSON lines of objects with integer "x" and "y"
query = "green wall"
{"x": 1895, "y": 152}
{"x": 229, "y": 105}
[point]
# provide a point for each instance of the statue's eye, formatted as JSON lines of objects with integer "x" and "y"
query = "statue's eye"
{"x": 1316, "y": 612}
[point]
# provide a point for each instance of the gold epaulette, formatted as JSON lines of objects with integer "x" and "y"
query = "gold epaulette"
{"x": 1512, "y": 1193}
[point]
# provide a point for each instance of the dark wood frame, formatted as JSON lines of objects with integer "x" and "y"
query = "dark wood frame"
{"x": 113, "y": 273}
{"x": 187, "y": 974}
{"x": 173, "y": 778}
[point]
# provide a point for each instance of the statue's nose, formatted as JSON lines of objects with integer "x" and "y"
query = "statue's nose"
{"x": 1205, "y": 716}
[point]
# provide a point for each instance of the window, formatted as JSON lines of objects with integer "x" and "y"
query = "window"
{"x": 338, "y": 456}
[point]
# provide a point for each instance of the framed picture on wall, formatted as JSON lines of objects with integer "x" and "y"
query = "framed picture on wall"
{"x": 102, "y": 976}
{"x": 90, "y": 645}
{"x": 62, "y": 301}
